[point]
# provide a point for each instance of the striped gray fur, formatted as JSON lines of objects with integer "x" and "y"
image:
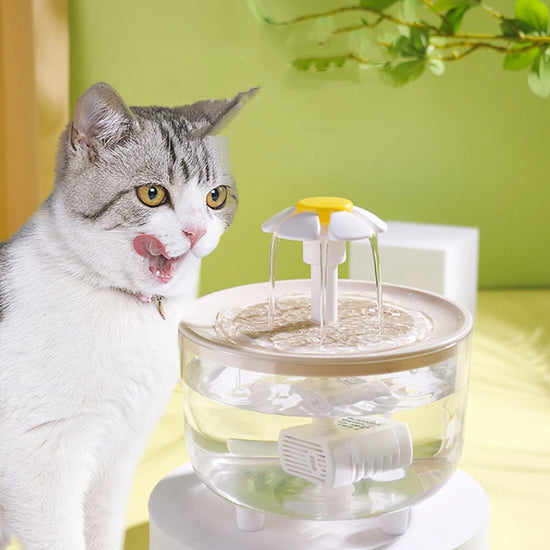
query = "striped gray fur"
{"x": 157, "y": 145}
{"x": 100, "y": 166}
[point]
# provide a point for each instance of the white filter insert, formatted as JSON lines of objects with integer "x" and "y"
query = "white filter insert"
{"x": 333, "y": 453}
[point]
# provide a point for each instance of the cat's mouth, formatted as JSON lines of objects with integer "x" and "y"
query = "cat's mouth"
{"x": 162, "y": 266}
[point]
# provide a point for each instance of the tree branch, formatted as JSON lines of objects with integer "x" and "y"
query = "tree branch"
{"x": 409, "y": 51}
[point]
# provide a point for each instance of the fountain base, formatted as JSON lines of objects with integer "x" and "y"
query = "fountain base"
{"x": 186, "y": 515}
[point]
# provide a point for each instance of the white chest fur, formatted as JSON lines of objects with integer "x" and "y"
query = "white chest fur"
{"x": 77, "y": 355}
{"x": 86, "y": 369}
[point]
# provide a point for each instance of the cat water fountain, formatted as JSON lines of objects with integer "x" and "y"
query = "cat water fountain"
{"x": 327, "y": 413}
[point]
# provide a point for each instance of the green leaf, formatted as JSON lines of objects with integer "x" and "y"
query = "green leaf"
{"x": 520, "y": 60}
{"x": 538, "y": 78}
{"x": 508, "y": 28}
{"x": 339, "y": 61}
{"x": 302, "y": 64}
{"x": 403, "y": 73}
{"x": 320, "y": 63}
{"x": 513, "y": 27}
{"x": 453, "y": 19}
{"x": 380, "y": 5}
{"x": 402, "y": 47}
{"x": 532, "y": 12}
{"x": 414, "y": 45}
{"x": 420, "y": 38}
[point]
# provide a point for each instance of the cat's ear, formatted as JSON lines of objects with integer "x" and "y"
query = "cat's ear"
{"x": 101, "y": 119}
{"x": 210, "y": 116}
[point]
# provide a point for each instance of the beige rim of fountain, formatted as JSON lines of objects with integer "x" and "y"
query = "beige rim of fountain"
{"x": 452, "y": 325}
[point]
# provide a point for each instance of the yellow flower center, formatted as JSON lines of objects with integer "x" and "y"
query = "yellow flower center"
{"x": 324, "y": 206}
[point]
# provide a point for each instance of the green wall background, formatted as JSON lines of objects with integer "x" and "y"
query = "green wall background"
{"x": 468, "y": 148}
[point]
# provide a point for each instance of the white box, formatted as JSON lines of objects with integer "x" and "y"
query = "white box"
{"x": 438, "y": 258}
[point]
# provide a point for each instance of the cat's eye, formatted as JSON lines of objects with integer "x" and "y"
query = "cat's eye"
{"x": 216, "y": 197}
{"x": 152, "y": 195}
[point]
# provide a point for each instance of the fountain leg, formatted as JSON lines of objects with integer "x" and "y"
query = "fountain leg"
{"x": 395, "y": 523}
{"x": 249, "y": 520}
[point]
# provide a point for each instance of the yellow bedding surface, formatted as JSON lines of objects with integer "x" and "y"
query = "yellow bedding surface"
{"x": 507, "y": 438}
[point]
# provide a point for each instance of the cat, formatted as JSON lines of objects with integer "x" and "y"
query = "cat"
{"x": 91, "y": 292}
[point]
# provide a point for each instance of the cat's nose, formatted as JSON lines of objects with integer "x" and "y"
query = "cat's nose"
{"x": 194, "y": 234}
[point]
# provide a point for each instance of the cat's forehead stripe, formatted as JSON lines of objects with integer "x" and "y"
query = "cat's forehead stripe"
{"x": 169, "y": 142}
{"x": 189, "y": 155}
{"x": 200, "y": 162}
{"x": 206, "y": 160}
{"x": 184, "y": 168}
{"x": 103, "y": 209}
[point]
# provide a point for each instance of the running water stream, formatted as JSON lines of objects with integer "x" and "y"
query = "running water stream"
{"x": 323, "y": 252}
{"x": 377, "y": 280}
{"x": 364, "y": 323}
{"x": 273, "y": 259}
{"x": 327, "y": 320}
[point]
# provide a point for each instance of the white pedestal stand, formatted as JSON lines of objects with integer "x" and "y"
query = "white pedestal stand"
{"x": 186, "y": 515}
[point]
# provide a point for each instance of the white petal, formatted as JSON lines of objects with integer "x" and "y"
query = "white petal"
{"x": 304, "y": 226}
{"x": 344, "y": 226}
{"x": 270, "y": 225}
{"x": 378, "y": 225}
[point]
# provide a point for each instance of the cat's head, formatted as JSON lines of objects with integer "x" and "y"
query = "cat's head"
{"x": 144, "y": 191}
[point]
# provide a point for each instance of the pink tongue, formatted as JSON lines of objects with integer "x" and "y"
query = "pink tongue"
{"x": 160, "y": 264}
{"x": 147, "y": 245}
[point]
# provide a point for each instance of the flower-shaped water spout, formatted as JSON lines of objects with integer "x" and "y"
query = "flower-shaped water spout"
{"x": 334, "y": 218}
{"x": 324, "y": 225}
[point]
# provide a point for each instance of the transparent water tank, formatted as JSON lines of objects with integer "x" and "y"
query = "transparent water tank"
{"x": 328, "y": 433}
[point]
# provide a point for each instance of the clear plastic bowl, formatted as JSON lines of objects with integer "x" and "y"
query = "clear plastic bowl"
{"x": 239, "y": 398}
